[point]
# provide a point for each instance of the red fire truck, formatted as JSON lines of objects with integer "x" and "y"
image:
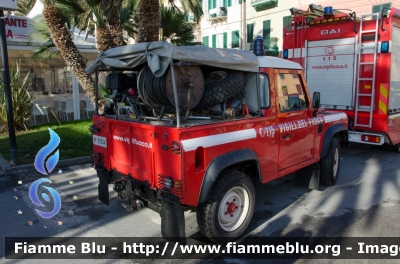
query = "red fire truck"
{"x": 354, "y": 63}
{"x": 195, "y": 128}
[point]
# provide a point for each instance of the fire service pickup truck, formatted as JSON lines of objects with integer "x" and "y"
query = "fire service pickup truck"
{"x": 195, "y": 128}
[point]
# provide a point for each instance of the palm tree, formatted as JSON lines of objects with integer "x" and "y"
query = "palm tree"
{"x": 56, "y": 22}
{"x": 150, "y": 20}
{"x": 63, "y": 41}
{"x": 24, "y": 7}
{"x": 112, "y": 11}
{"x": 174, "y": 27}
{"x": 40, "y": 37}
{"x": 194, "y": 6}
{"x": 85, "y": 11}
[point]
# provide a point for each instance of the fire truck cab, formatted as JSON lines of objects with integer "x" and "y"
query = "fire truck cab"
{"x": 354, "y": 62}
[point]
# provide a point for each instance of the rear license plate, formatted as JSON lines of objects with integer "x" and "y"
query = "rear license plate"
{"x": 100, "y": 141}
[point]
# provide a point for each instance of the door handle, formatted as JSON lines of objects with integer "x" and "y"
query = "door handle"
{"x": 287, "y": 136}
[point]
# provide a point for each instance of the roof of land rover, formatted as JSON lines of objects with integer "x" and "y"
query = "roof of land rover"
{"x": 273, "y": 62}
{"x": 158, "y": 55}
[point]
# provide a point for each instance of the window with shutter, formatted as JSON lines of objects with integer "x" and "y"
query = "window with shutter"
{"x": 267, "y": 33}
{"x": 235, "y": 39}
{"x": 250, "y": 33}
{"x": 214, "y": 41}
{"x": 205, "y": 41}
{"x": 379, "y": 8}
{"x": 225, "y": 45}
{"x": 286, "y": 20}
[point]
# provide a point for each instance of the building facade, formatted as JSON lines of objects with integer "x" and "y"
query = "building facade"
{"x": 235, "y": 23}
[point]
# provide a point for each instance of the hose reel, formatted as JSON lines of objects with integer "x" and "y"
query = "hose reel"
{"x": 158, "y": 91}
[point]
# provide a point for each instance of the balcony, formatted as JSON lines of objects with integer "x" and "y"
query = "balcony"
{"x": 192, "y": 20}
{"x": 261, "y": 5}
{"x": 218, "y": 14}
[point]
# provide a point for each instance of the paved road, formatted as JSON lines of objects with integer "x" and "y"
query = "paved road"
{"x": 364, "y": 202}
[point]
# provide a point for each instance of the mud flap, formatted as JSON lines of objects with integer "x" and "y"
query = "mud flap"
{"x": 104, "y": 195}
{"x": 308, "y": 177}
{"x": 173, "y": 222}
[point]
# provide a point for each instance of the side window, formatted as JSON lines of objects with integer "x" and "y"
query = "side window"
{"x": 264, "y": 90}
{"x": 291, "y": 92}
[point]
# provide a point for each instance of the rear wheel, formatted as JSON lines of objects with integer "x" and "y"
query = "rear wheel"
{"x": 228, "y": 212}
{"x": 330, "y": 164}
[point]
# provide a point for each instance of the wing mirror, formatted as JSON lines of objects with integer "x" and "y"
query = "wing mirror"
{"x": 316, "y": 102}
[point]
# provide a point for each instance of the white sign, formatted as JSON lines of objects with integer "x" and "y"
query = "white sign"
{"x": 333, "y": 31}
{"x": 17, "y": 28}
{"x": 100, "y": 141}
{"x": 8, "y": 4}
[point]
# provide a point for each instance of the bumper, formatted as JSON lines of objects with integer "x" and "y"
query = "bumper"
{"x": 162, "y": 201}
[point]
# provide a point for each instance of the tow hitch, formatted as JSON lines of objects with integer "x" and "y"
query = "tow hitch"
{"x": 125, "y": 189}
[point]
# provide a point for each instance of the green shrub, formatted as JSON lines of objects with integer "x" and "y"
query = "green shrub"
{"x": 21, "y": 100}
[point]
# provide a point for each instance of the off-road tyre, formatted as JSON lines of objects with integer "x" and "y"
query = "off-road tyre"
{"x": 330, "y": 164}
{"x": 222, "y": 90}
{"x": 226, "y": 189}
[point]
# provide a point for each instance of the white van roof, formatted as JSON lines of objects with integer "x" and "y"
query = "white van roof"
{"x": 273, "y": 62}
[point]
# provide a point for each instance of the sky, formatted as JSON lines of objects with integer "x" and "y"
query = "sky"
{"x": 37, "y": 9}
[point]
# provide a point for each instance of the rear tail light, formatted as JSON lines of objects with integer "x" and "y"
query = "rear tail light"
{"x": 369, "y": 138}
{"x": 166, "y": 183}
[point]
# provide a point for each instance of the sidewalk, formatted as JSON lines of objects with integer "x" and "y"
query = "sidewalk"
{"x": 10, "y": 175}
{"x": 7, "y": 170}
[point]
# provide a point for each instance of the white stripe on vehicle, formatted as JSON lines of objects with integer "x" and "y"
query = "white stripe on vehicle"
{"x": 220, "y": 139}
{"x": 334, "y": 117}
{"x": 296, "y": 53}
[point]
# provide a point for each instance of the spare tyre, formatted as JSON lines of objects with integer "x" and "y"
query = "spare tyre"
{"x": 222, "y": 90}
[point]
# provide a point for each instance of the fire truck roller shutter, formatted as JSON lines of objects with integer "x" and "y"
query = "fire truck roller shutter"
{"x": 394, "y": 94}
{"x": 330, "y": 71}
{"x": 218, "y": 164}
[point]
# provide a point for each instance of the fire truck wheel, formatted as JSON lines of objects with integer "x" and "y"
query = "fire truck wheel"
{"x": 330, "y": 164}
{"x": 226, "y": 215}
{"x": 222, "y": 90}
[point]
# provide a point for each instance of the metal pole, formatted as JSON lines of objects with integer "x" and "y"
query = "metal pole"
{"x": 96, "y": 95}
{"x": 244, "y": 25}
{"x": 7, "y": 90}
{"x": 178, "y": 119}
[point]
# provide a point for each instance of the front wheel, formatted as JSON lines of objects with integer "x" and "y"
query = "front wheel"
{"x": 330, "y": 164}
{"x": 228, "y": 212}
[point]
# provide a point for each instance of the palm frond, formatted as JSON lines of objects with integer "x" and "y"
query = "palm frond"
{"x": 194, "y": 6}
{"x": 24, "y": 7}
{"x": 40, "y": 37}
{"x": 174, "y": 26}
